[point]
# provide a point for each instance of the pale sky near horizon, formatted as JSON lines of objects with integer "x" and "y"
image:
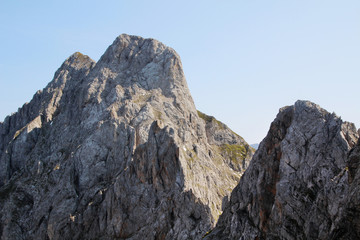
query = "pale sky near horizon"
{"x": 243, "y": 59}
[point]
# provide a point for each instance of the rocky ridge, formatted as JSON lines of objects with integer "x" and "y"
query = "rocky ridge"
{"x": 302, "y": 182}
{"x": 115, "y": 149}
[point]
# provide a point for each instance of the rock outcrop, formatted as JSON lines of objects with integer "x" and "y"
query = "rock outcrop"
{"x": 348, "y": 226}
{"x": 116, "y": 150}
{"x": 302, "y": 183}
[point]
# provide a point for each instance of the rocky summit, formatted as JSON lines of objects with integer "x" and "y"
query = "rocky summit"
{"x": 116, "y": 149}
{"x": 302, "y": 183}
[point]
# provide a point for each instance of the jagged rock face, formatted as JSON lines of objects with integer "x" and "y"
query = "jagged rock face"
{"x": 348, "y": 226}
{"x": 296, "y": 185}
{"x": 113, "y": 150}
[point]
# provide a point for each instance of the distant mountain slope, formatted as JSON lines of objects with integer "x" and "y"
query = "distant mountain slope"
{"x": 255, "y": 145}
{"x": 233, "y": 148}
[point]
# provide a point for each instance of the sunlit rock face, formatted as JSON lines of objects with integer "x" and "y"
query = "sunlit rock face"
{"x": 302, "y": 182}
{"x": 116, "y": 149}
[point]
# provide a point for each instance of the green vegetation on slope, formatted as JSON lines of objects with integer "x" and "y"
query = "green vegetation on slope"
{"x": 209, "y": 119}
{"x": 235, "y": 152}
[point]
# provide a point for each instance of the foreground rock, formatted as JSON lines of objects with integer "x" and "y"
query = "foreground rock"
{"x": 116, "y": 150}
{"x": 301, "y": 184}
{"x": 348, "y": 227}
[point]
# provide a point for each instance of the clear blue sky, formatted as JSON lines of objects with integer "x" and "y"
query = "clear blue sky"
{"x": 243, "y": 59}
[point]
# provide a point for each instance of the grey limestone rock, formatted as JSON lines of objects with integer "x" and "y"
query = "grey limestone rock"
{"x": 297, "y": 184}
{"x": 348, "y": 225}
{"x": 115, "y": 149}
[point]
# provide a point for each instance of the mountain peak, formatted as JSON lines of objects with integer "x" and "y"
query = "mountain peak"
{"x": 145, "y": 62}
{"x": 127, "y": 47}
{"x": 78, "y": 60}
{"x": 116, "y": 149}
{"x": 305, "y": 106}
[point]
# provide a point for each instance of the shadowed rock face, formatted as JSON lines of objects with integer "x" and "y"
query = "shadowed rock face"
{"x": 115, "y": 150}
{"x": 297, "y": 185}
{"x": 348, "y": 226}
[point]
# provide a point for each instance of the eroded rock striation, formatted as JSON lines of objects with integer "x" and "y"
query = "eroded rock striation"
{"x": 116, "y": 149}
{"x": 302, "y": 183}
{"x": 348, "y": 226}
